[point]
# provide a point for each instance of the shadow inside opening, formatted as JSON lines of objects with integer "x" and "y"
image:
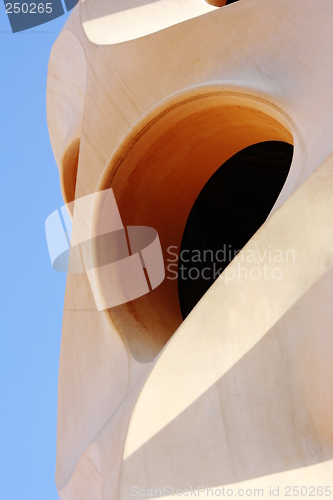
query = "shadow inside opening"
{"x": 230, "y": 208}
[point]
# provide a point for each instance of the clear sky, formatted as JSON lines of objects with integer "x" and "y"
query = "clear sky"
{"x": 32, "y": 294}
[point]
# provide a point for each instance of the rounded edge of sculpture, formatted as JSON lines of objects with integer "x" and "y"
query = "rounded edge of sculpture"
{"x": 202, "y": 113}
{"x": 90, "y": 466}
{"x": 65, "y": 103}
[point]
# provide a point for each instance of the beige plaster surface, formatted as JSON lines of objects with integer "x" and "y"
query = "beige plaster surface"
{"x": 240, "y": 393}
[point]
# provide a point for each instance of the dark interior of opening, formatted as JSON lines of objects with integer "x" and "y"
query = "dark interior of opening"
{"x": 221, "y": 3}
{"x": 231, "y": 207}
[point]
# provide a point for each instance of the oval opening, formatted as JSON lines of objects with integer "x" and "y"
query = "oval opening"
{"x": 68, "y": 172}
{"x": 231, "y": 207}
{"x": 221, "y": 3}
{"x": 158, "y": 173}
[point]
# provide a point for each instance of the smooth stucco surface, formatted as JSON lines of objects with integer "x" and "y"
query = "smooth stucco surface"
{"x": 242, "y": 391}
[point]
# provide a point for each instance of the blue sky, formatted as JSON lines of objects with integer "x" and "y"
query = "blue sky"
{"x": 32, "y": 294}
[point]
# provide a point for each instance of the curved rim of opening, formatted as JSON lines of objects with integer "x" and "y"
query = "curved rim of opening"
{"x": 233, "y": 95}
{"x": 240, "y": 95}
